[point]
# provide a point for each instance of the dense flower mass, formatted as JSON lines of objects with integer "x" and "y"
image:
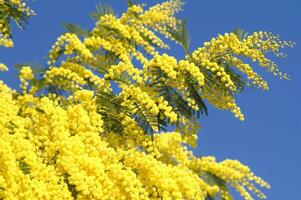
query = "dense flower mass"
{"x": 53, "y": 152}
{"x": 113, "y": 117}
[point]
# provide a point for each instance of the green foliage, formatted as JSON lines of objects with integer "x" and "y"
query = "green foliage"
{"x": 24, "y": 166}
{"x": 101, "y": 9}
{"x": 110, "y": 108}
{"x": 145, "y": 119}
{"x": 37, "y": 68}
{"x": 71, "y": 187}
{"x": 13, "y": 13}
{"x": 213, "y": 180}
{"x": 194, "y": 94}
{"x": 131, "y": 2}
{"x": 181, "y": 35}
{"x": 76, "y": 29}
{"x": 241, "y": 34}
{"x": 175, "y": 98}
{"x": 235, "y": 77}
{"x": 109, "y": 59}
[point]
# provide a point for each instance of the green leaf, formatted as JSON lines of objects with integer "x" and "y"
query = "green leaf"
{"x": 64, "y": 103}
{"x": 14, "y": 13}
{"x": 194, "y": 94}
{"x": 36, "y": 67}
{"x": 71, "y": 187}
{"x": 124, "y": 77}
{"x": 24, "y": 166}
{"x": 76, "y": 29}
{"x": 174, "y": 98}
{"x": 145, "y": 119}
{"x": 235, "y": 77}
{"x": 241, "y": 34}
{"x": 103, "y": 66}
{"x": 40, "y": 110}
{"x": 110, "y": 108}
{"x": 212, "y": 80}
{"x": 131, "y": 2}
{"x": 39, "y": 83}
{"x": 162, "y": 123}
{"x": 149, "y": 40}
{"x": 181, "y": 35}
{"x": 101, "y": 9}
{"x": 212, "y": 179}
{"x": 176, "y": 101}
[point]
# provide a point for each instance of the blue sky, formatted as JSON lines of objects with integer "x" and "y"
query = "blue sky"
{"x": 269, "y": 140}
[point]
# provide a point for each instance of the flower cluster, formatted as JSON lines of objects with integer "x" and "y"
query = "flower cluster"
{"x": 226, "y": 51}
{"x": 3, "y": 67}
{"x": 136, "y": 95}
{"x": 228, "y": 48}
{"x": 162, "y": 16}
{"x": 72, "y": 76}
{"x": 232, "y": 172}
{"x": 69, "y": 158}
{"x": 97, "y": 127}
{"x": 25, "y": 75}
{"x": 11, "y": 9}
{"x": 73, "y": 45}
{"x": 116, "y": 71}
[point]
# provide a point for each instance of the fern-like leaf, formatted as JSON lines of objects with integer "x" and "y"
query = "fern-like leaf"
{"x": 176, "y": 100}
{"x": 110, "y": 108}
{"x": 194, "y": 94}
{"x": 145, "y": 119}
{"x": 181, "y": 35}
{"x": 20, "y": 17}
{"x": 241, "y": 34}
{"x": 234, "y": 76}
{"x": 131, "y": 2}
{"x": 101, "y": 9}
{"x": 123, "y": 78}
{"x": 76, "y": 29}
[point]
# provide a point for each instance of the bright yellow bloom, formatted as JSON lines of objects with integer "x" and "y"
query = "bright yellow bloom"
{"x": 11, "y": 9}
{"x": 92, "y": 125}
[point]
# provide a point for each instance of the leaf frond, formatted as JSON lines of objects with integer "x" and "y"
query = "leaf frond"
{"x": 110, "y": 108}
{"x": 131, "y": 3}
{"x": 145, "y": 119}
{"x": 101, "y": 9}
{"x": 194, "y": 94}
{"x": 241, "y": 34}
{"x": 181, "y": 35}
{"x": 76, "y": 29}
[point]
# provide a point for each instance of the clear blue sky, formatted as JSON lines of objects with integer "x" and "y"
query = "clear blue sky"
{"x": 269, "y": 140}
